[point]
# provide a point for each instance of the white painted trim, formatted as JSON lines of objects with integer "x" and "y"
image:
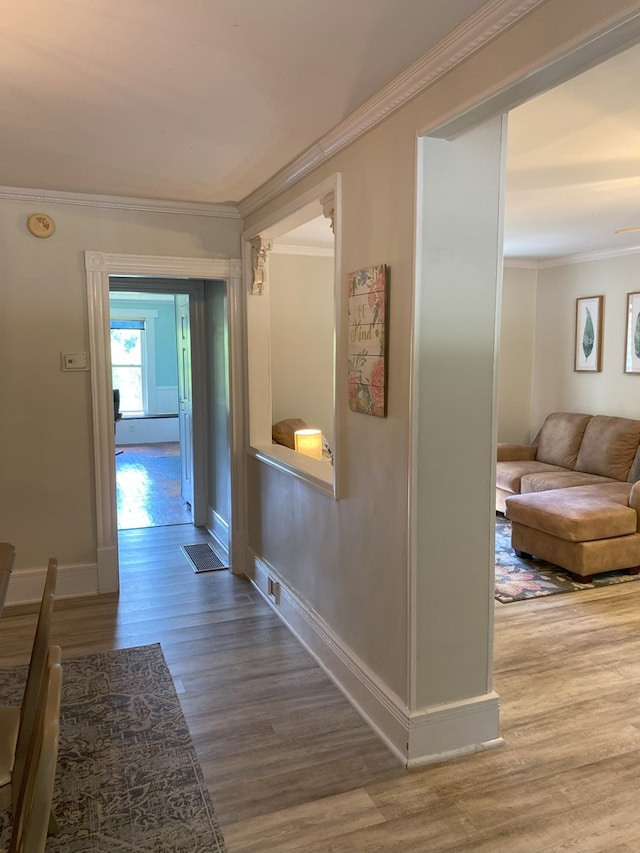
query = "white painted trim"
{"x": 585, "y": 257}
{"x": 220, "y": 211}
{"x": 219, "y": 530}
{"x": 311, "y": 251}
{"x": 99, "y": 267}
{"x": 415, "y": 737}
{"x": 455, "y": 729}
{"x": 258, "y": 443}
{"x": 567, "y": 260}
{"x": 148, "y": 354}
{"x": 26, "y": 585}
{"x": 238, "y": 407}
{"x": 318, "y": 473}
{"x": 474, "y": 33}
{"x": 522, "y": 265}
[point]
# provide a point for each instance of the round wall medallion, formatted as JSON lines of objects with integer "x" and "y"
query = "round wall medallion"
{"x": 41, "y": 225}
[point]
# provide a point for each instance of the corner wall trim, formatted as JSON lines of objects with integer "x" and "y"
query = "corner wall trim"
{"x": 418, "y": 737}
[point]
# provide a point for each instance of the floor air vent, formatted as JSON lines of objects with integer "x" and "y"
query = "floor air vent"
{"x": 203, "y": 558}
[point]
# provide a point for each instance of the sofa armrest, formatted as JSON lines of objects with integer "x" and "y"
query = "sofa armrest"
{"x": 516, "y": 452}
{"x": 634, "y": 502}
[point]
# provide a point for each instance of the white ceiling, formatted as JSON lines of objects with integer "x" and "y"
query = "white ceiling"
{"x": 204, "y": 100}
{"x": 573, "y": 165}
{"x": 192, "y": 100}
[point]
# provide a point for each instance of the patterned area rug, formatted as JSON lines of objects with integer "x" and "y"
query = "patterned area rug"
{"x": 517, "y": 579}
{"x": 128, "y": 778}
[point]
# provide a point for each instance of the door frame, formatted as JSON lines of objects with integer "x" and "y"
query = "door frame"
{"x": 99, "y": 267}
{"x": 194, "y": 289}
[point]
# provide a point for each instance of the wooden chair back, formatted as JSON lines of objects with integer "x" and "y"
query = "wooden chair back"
{"x": 31, "y": 814}
{"x": 35, "y": 676}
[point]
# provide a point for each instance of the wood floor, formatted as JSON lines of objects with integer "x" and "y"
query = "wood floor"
{"x": 291, "y": 768}
{"x": 148, "y": 486}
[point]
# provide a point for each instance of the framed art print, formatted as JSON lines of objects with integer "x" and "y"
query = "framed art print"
{"x": 588, "y": 340}
{"x": 632, "y": 348}
{"x": 367, "y": 295}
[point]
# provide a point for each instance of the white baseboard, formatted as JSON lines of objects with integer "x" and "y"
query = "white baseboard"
{"x": 26, "y": 585}
{"x": 416, "y": 737}
{"x": 219, "y": 530}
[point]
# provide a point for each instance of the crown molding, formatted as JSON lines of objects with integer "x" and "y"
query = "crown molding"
{"x": 224, "y": 211}
{"x": 583, "y": 257}
{"x": 567, "y": 260}
{"x": 525, "y": 264}
{"x": 474, "y": 33}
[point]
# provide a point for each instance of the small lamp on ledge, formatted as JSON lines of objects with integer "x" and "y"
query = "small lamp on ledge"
{"x": 309, "y": 442}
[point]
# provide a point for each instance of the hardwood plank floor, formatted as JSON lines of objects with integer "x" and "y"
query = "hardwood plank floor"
{"x": 290, "y": 765}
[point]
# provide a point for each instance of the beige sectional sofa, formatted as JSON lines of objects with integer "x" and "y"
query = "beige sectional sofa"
{"x": 573, "y": 496}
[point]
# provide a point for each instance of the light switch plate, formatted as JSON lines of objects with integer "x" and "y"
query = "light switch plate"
{"x": 74, "y": 360}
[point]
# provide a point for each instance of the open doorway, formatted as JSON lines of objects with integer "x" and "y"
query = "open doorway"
{"x": 150, "y": 341}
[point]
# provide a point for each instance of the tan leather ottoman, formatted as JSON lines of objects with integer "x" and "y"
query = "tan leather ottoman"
{"x": 584, "y": 529}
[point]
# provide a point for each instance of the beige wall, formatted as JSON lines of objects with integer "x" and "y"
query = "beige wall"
{"x": 356, "y": 576}
{"x": 301, "y": 315}
{"x": 536, "y": 373}
{"x": 556, "y": 385}
{"x": 516, "y": 358}
{"x": 349, "y": 559}
{"x": 47, "y": 503}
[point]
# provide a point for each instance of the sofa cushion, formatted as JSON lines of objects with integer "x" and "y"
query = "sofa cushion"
{"x": 560, "y": 437}
{"x": 579, "y": 514}
{"x": 542, "y": 481}
{"x": 609, "y": 446}
{"x": 509, "y": 474}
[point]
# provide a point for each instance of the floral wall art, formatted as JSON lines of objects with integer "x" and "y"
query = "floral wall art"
{"x": 367, "y": 293}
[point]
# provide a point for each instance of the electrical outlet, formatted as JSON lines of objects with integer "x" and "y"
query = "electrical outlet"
{"x": 273, "y": 589}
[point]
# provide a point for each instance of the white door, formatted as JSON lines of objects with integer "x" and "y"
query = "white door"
{"x": 185, "y": 401}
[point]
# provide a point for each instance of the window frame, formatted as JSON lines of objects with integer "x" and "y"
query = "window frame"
{"x": 148, "y": 317}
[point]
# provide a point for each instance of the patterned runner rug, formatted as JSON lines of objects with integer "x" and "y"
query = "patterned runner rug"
{"x": 517, "y": 579}
{"x": 128, "y": 777}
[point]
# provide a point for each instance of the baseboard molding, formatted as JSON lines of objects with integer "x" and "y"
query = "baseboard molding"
{"x": 26, "y": 585}
{"x": 455, "y": 729}
{"x": 418, "y": 737}
{"x": 218, "y": 527}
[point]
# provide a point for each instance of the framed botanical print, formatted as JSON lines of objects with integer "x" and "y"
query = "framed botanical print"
{"x": 588, "y": 340}
{"x": 632, "y": 348}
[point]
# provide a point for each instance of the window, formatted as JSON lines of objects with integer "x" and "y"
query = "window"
{"x": 127, "y": 363}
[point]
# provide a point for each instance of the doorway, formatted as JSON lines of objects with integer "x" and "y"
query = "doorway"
{"x": 150, "y": 337}
{"x": 217, "y": 416}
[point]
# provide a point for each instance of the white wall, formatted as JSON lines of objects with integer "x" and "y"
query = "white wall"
{"x": 147, "y": 430}
{"x": 301, "y": 314}
{"x": 47, "y": 503}
{"x": 516, "y": 355}
{"x": 556, "y": 386}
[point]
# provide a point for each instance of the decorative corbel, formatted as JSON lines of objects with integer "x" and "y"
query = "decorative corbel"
{"x": 259, "y": 250}
{"x": 328, "y": 202}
